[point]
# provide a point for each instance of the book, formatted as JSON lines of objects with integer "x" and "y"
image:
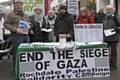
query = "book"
{"x": 24, "y": 26}
{"x": 47, "y": 30}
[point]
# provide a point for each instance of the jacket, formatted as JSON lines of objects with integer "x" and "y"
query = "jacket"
{"x": 51, "y": 22}
{"x": 112, "y": 22}
{"x": 82, "y": 20}
{"x": 99, "y": 17}
{"x": 86, "y": 19}
{"x": 36, "y": 26}
{"x": 64, "y": 24}
{"x": 12, "y": 21}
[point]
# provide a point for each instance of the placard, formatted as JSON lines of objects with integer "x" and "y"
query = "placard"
{"x": 88, "y": 32}
{"x": 29, "y": 5}
{"x": 46, "y": 64}
{"x": 73, "y": 7}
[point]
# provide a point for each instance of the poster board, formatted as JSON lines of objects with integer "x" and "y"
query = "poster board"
{"x": 43, "y": 63}
{"x": 88, "y": 32}
{"x": 73, "y": 7}
{"x": 29, "y": 5}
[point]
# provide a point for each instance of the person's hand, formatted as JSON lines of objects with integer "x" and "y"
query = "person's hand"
{"x": 68, "y": 35}
{"x": 19, "y": 31}
{"x": 31, "y": 32}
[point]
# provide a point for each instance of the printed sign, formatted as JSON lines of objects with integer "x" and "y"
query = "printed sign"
{"x": 88, "y": 32}
{"x": 63, "y": 64}
{"x": 73, "y": 7}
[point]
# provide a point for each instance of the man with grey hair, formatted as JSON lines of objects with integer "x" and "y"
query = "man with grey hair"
{"x": 112, "y": 21}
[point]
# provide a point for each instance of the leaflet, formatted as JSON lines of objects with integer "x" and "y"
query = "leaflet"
{"x": 109, "y": 32}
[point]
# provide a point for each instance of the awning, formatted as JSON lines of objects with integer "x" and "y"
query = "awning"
{"x": 1, "y": 1}
{"x": 57, "y": 2}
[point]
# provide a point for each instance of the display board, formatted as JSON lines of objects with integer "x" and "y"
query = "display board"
{"x": 45, "y": 63}
{"x": 29, "y": 5}
{"x": 73, "y": 7}
{"x": 88, "y": 32}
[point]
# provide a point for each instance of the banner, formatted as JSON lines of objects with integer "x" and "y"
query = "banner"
{"x": 88, "y": 32}
{"x": 28, "y": 5}
{"x": 73, "y": 7}
{"x": 46, "y": 64}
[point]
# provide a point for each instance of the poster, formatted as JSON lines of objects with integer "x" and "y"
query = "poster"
{"x": 73, "y": 7}
{"x": 28, "y": 5}
{"x": 88, "y": 32}
{"x": 42, "y": 63}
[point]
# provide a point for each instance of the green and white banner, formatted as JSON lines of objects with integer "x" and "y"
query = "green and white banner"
{"x": 29, "y": 5}
{"x": 45, "y": 63}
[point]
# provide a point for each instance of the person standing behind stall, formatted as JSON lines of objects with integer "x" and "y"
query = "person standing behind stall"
{"x": 91, "y": 16}
{"x": 12, "y": 22}
{"x": 38, "y": 22}
{"x": 84, "y": 18}
{"x": 112, "y": 22}
{"x": 64, "y": 24}
{"x": 99, "y": 17}
{"x": 51, "y": 23}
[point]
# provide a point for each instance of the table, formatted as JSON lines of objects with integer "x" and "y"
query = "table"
{"x": 55, "y": 61}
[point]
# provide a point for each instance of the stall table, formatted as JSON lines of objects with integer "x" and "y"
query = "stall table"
{"x": 55, "y": 61}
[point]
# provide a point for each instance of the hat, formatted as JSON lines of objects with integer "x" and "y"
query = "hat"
{"x": 37, "y": 8}
{"x": 51, "y": 11}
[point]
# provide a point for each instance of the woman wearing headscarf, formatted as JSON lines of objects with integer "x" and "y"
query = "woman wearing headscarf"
{"x": 38, "y": 22}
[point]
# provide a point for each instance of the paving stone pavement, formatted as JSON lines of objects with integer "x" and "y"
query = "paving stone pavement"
{"x": 7, "y": 74}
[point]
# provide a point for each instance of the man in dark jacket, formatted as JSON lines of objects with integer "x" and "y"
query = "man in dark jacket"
{"x": 112, "y": 22}
{"x": 64, "y": 24}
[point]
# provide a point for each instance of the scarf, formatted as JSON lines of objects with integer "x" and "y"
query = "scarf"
{"x": 109, "y": 14}
{"x": 38, "y": 18}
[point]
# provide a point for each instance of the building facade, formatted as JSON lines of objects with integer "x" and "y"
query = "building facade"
{"x": 118, "y": 6}
{"x": 103, "y": 3}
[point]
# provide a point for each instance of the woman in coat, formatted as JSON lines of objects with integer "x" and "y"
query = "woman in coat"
{"x": 85, "y": 16}
{"x": 38, "y": 22}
